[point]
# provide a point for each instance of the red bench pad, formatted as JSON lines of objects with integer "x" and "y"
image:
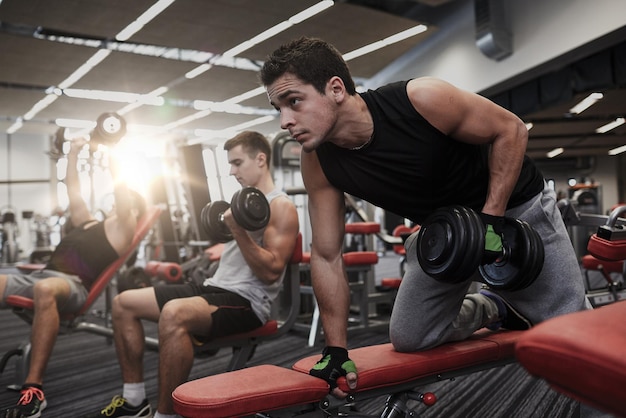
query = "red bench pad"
{"x": 246, "y": 391}
{"x": 362, "y": 228}
{"x": 605, "y": 249}
{"x": 382, "y": 366}
{"x": 581, "y": 355}
{"x": 269, "y": 328}
{"x": 360, "y": 258}
{"x": 592, "y": 263}
{"x": 268, "y": 387}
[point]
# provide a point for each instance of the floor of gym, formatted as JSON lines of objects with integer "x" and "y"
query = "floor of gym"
{"x": 83, "y": 374}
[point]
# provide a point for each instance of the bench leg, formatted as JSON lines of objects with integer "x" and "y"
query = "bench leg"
{"x": 22, "y": 361}
{"x": 314, "y": 332}
{"x": 241, "y": 355}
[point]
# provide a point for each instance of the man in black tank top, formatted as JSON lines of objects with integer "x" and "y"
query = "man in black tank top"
{"x": 62, "y": 286}
{"x": 411, "y": 147}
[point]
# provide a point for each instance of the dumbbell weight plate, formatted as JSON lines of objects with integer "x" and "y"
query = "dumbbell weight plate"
{"x": 450, "y": 244}
{"x": 110, "y": 128}
{"x": 539, "y": 256}
{"x": 250, "y": 209}
{"x": 522, "y": 260}
{"x": 212, "y": 223}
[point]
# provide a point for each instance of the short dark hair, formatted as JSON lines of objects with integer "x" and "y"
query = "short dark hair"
{"x": 312, "y": 60}
{"x": 252, "y": 143}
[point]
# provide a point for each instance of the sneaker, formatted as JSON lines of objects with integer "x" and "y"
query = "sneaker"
{"x": 120, "y": 408}
{"x": 510, "y": 318}
{"x": 30, "y": 405}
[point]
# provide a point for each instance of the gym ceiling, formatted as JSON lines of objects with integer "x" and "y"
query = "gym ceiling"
{"x": 42, "y": 42}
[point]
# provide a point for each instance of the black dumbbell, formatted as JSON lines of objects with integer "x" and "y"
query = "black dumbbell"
{"x": 110, "y": 128}
{"x": 250, "y": 209}
{"x": 451, "y": 245}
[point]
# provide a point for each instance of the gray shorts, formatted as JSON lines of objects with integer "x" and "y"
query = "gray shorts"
{"x": 22, "y": 285}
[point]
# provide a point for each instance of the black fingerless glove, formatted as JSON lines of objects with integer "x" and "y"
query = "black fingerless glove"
{"x": 333, "y": 364}
{"x": 494, "y": 228}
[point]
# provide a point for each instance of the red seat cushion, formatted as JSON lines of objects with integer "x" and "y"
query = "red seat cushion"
{"x": 391, "y": 282}
{"x": 581, "y": 355}
{"x": 592, "y": 263}
{"x": 363, "y": 228}
{"x": 605, "y": 249}
{"x": 360, "y": 258}
{"x": 246, "y": 391}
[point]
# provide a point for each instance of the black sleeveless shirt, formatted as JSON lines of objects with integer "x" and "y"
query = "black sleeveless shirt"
{"x": 410, "y": 168}
{"x": 84, "y": 253}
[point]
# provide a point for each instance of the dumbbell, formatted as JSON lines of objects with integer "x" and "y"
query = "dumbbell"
{"x": 451, "y": 245}
{"x": 110, "y": 128}
{"x": 250, "y": 209}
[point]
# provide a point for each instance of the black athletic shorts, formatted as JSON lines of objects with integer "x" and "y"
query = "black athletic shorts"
{"x": 234, "y": 316}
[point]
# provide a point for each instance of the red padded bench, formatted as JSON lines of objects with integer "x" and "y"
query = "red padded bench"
{"x": 581, "y": 355}
{"x": 382, "y": 371}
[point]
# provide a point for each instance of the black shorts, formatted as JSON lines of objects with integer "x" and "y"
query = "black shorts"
{"x": 234, "y": 316}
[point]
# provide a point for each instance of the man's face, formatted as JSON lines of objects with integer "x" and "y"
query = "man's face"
{"x": 245, "y": 169}
{"x": 308, "y": 115}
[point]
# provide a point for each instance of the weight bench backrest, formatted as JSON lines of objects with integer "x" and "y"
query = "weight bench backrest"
{"x": 143, "y": 227}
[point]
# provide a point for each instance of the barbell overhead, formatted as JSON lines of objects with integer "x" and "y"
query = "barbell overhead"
{"x": 451, "y": 244}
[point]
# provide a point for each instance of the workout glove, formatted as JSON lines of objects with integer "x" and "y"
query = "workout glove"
{"x": 494, "y": 226}
{"x": 334, "y": 363}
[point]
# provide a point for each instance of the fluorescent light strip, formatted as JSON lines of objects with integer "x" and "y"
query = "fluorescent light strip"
{"x": 75, "y": 123}
{"x": 311, "y": 11}
{"x": 142, "y": 20}
{"x": 416, "y": 30}
{"x": 612, "y": 125}
{"x": 114, "y": 96}
{"x": 198, "y": 70}
{"x": 555, "y": 152}
{"x": 95, "y": 59}
{"x": 40, "y": 105}
{"x": 263, "y": 36}
{"x": 617, "y": 150}
{"x": 187, "y": 119}
{"x": 229, "y": 132}
{"x": 586, "y": 103}
{"x": 16, "y": 125}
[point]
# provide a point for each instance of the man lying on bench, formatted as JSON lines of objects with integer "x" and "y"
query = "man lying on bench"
{"x": 236, "y": 299}
{"x": 63, "y": 285}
